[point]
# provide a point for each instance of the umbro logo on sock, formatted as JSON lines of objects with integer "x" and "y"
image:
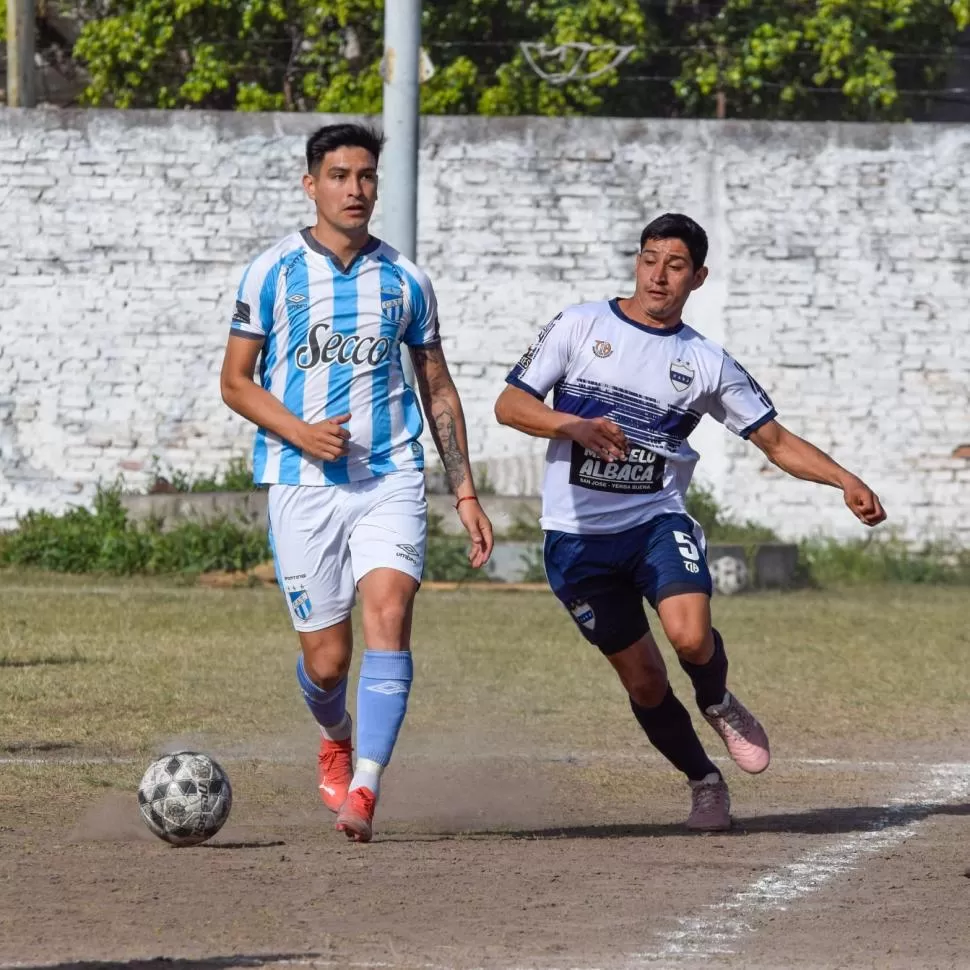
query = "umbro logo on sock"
{"x": 389, "y": 687}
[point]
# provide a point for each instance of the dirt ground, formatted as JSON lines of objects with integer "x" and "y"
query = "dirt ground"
{"x": 524, "y": 822}
{"x": 567, "y": 860}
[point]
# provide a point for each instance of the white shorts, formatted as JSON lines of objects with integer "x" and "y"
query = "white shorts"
{"x": 326, "y": 538}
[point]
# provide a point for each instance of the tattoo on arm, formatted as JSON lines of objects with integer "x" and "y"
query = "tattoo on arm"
{"x": 441, "y": 404}
{"x": 444, "y": 430}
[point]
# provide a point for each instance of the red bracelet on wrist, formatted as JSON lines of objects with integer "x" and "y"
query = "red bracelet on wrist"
{"x": 466, "y": 498}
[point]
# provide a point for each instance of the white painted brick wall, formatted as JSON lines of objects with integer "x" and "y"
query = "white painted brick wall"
{"x": 839, "y": 270}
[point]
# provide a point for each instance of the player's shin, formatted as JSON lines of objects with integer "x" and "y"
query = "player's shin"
{"x": 709, "y": 679}
{"x": 669, "y": 729}
{"x": 382, "y": 700}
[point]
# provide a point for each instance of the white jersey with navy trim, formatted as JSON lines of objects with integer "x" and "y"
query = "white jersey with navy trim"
{"x": 656, "y": 384}
{"x": 332, "y": 340}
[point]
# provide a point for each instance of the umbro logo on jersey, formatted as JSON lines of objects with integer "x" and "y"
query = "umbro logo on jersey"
{"x": 681, "y": 375}
{"x": 602, "y": 348}
{"x": 389, "y": 688}
{"x": 296, "y": 299}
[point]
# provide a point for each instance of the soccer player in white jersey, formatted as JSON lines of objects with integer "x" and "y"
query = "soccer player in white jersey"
{"x": 631, "y": 381}
{"x": 325, "y": 312}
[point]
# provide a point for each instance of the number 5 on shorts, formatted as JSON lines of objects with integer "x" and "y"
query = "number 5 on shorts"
{"x": 687, "y": 549}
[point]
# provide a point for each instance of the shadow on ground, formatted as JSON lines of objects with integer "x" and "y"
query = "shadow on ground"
{"x": 178, "y": 963}
{"x": 815, "y": 821}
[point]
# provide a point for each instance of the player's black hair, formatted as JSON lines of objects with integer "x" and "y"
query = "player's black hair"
{"x": 331, "y": 137}
{"x": 673, "y": 225}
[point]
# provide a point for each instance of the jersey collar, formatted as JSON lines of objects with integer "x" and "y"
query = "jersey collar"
{"x": 659, "y": 331}
{"x": 372, "y": 243}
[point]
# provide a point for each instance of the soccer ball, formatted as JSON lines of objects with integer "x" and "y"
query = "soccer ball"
{"x": 185, "y": 797}
{"x": 729, "y": 575}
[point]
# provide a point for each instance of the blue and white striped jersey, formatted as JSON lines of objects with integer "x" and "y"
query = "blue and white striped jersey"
{"x": 656, "y": 384}
{"x": 332, "y": 345}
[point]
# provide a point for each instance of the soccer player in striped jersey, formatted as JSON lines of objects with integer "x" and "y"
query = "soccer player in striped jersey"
{"x": 324, "y": 313}
{"x": 631, "y": 381}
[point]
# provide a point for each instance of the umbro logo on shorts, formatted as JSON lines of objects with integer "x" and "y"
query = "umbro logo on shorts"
{"x": 408, "y": 552}
{"x": 389, "y": 687}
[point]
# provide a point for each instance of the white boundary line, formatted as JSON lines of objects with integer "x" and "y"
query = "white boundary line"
{"x": 540, "y": 757}
{"x": 718, "y": 929}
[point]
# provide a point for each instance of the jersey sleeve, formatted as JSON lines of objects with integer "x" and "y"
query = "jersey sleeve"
{"x": 255, "y": 300}
{"x": 423, "y": 329}
{"x": 545, "y": 362}
{"x": 740, "y": 403}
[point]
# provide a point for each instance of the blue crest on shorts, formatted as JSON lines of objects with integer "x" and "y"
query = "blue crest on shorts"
{"x": 583, "y": 614}
{"x": 300, "y": 603}
{"x": 392, "y": 305}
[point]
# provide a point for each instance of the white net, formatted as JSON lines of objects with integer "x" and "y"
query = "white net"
{"x": 563, "y": 63}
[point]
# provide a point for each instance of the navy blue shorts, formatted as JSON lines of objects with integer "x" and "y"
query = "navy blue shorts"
{"x": 602, "y": 579}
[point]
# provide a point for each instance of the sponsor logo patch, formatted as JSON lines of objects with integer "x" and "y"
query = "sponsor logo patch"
{"x": 641, "y": 472}
{"x": 341, "y": 348}
{"x": 602, "y": 348}
{"x": 525, "y": 362}
{"x": 241, "y": 316}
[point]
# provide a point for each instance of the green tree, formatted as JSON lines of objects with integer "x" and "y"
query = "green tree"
{"x": 310, "y": 55}
{"x": 753, "y": 58}
{"x": 831, "y": 58}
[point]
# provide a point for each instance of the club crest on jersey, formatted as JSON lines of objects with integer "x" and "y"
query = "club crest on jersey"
{"x": 300, "y": 603}
{"x": 583, "y": 614}
{"x": 681, "y": 375}
{"x": 602, "y": 348}
{"x": 392, "y": 305}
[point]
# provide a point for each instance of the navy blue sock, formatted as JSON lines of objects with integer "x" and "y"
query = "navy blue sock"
{"x": 328, "y": 707}
{"x": 670, "y": 731}
{"x": 710, "y": 679}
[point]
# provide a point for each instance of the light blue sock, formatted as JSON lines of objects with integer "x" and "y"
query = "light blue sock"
{"x": 328, "y": 707}
{"x": 382, "y": 701}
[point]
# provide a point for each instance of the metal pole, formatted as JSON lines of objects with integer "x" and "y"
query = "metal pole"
{"x": 399, "y": 188}
{"x": 399, "y": 180}
{"x": 21, "y": 86}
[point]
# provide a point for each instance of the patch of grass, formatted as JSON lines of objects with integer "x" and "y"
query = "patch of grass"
{"x": 718, "y": 527}
{"x": 830, "y": 563}
{"x": 105, "y": 541}
{"x": 446, "y": 560}
{"x": 533, "y": 562}
{"x": 236, "y": 477}
{"x": 483, "y": 484}
{"x": 524, "y": 529}
{"x": 821, "y": 667}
